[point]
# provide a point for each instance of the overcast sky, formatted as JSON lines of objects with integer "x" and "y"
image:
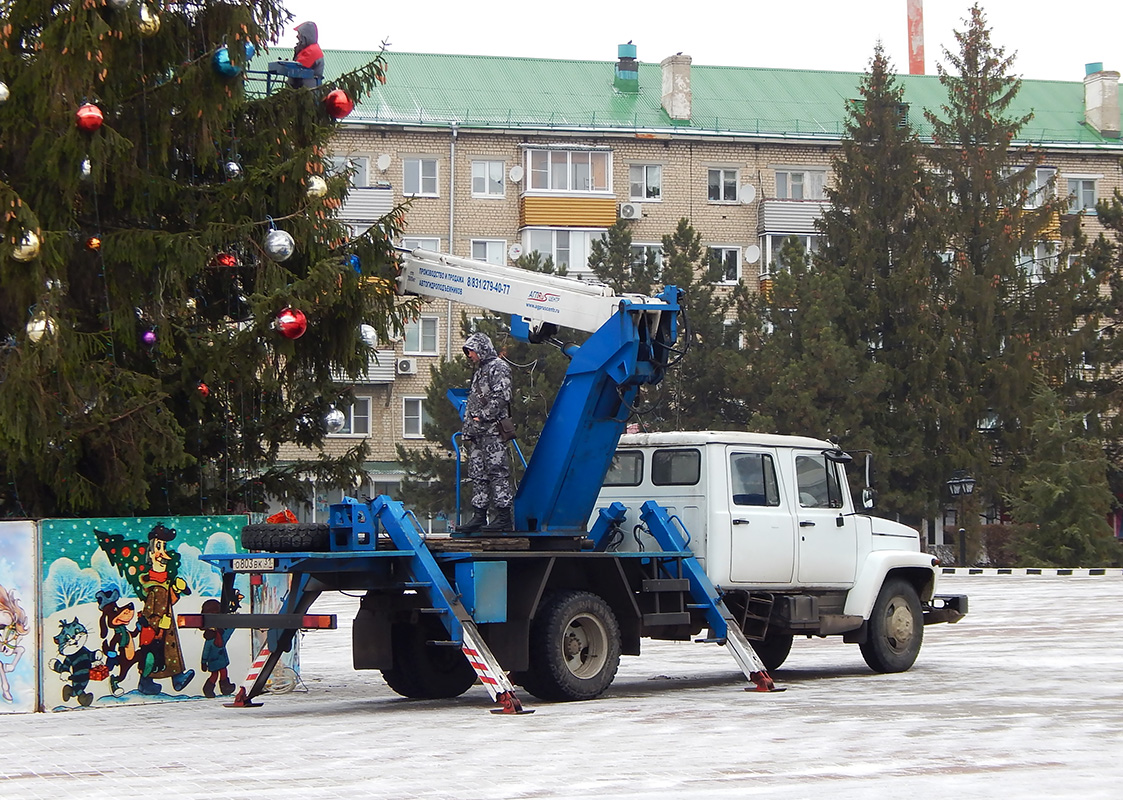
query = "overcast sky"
{"x": 1052, "y": 41}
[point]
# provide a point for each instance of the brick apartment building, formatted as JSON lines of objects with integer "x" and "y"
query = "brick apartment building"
{"x": 504, "y": 156}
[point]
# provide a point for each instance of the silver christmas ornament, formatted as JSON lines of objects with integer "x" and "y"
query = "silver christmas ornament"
{"x": 334, "y": 421}
{"x": 86, "y": 170}
{"x": 369, "y": 335}
{"x": 279, "y": 245}
{"x": 28, "y": 248}
{"x": 317, "y": 187}
{"x": 5, "y": 93}
{"x": 233, "y": 169}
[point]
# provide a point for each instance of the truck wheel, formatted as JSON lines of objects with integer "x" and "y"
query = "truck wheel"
{"x": 774, "y": 649}
{"x": 286, "y": 537}
{"x": 574, "y": 647}
{"x": 896, "y": 628}
{"x": 423, "y": 671}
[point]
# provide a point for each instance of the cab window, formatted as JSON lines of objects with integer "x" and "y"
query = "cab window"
{"x": 754, "y": 480}
{"x": 626, "y": 469}
{"x": 817, "y": 480}
{"x": 676, "y": 467}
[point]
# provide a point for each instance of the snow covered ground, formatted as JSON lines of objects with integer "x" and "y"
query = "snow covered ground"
{"x": 1024, "y": 698}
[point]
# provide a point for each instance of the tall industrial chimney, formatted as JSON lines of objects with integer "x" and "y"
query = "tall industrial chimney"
{"x": 916, "y": 37}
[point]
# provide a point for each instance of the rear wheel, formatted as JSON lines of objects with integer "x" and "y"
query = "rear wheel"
{"x": 574, "y": 647}
{"x": 287, "y": 537}
{"x": 774, "y": 649}
{"x": 896, "y": 628}
{"x": 424, "y": 671}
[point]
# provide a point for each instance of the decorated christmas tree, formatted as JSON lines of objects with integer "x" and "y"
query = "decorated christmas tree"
{"x": 177, "y": 301}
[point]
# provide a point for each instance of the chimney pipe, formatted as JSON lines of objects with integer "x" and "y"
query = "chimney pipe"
{"x": 627, "y": 70}
{"x": 916, "y": 37}
{"x": 676, "y": 86}
{"x": 1101, "y": 100}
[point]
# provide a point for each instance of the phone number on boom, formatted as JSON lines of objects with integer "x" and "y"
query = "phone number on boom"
{"x": 489, "y": 285}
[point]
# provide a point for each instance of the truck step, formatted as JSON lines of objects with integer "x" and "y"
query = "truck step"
{"x": 667, "y": 618}
{"x": 432, "y": 611}
{"x": 665, "y": 585}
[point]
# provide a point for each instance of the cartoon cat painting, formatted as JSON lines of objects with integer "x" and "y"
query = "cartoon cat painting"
{"x": 77, "y": 660}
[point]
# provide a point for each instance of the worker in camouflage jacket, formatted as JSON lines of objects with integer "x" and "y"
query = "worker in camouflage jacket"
{"x": 489, "y": 400}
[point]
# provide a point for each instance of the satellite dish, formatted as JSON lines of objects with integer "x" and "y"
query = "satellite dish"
{"x": 383, "y": 162}
{"x": 515, "y": 251}
{"x": 752, "y": 254}
{"x": 747, "y": 193}
{"x": 516, "y": 174}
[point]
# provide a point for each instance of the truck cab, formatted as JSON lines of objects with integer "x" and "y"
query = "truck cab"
{"x": 773, "y": 521}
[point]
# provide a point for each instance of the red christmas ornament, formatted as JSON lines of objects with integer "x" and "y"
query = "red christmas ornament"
{"x": 338, "y": 104}
{"x": 291, "y": 323}
{"x": 89, "y": 118}
{"x": 226, "y": 260}
{"x": 93, "y": 243}
{"x": 204, "y": 390}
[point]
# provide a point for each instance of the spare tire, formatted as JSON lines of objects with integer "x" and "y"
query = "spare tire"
{"x": 287, "y": 537}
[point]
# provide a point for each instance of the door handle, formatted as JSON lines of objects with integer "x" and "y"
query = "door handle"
{"x": 740, "y": 522}
{"x": 806, "y": 523}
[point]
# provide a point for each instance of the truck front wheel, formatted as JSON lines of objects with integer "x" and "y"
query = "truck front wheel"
{"x": 574, "y": 647}
{"x": 896, "y": 628}
{"x": 426, "y": 671}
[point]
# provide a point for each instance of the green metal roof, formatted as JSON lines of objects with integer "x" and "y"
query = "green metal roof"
{"x": 536, "y": 93}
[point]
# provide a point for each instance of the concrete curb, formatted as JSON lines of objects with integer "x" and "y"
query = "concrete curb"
{"x": 1046, "y": 572}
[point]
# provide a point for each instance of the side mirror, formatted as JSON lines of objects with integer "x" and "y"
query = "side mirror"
{"x": 869, "y": 498}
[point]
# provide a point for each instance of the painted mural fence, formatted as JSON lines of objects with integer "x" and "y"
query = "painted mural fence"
{"x": 88, "y": 612}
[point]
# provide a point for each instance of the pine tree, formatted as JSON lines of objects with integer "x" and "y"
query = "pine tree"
{"x": 705, "y": 390}
{"x": 1064, "y": 500}
{"x": 881, "y": 242}
{"x": 1011, "y": 303}
{"x": 142, "y": 262}
{"x": 611, "y": 259}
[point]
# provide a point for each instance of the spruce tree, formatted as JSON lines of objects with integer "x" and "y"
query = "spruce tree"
{"x": 1011, "y": 303}
{"x": 149, "y": 189}
{"x": 881, "y": 242}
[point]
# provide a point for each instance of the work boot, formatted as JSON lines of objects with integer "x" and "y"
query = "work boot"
{"x": 478, "y": 520}
{"x": 501, "y": 522}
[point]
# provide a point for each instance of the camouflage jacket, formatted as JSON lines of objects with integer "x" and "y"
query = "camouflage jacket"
{"x": 489, "y": 398}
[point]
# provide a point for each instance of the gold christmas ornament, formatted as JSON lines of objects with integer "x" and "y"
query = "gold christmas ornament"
{"x": 149, "y": 24}
{"x": 39, "y": 325}
{"x": 28, "y": 248}
{"x": 317, "y": 186}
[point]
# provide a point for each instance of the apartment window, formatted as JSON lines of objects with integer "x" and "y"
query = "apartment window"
{"x": 730, "y": 260}
{"x": 1036, "y": 265}
{"x": 357, "y": 419}
{"x": 414, "y": 417}
{"x": 421, "y": 336}
{"x": 568, "y": 247}
{"x": 800, "y": 184}
{"x": 645, "y": 182}
{"x": 1082, "y": 191}
{"x": 422, "y": 242}
{"x": 569, "y": 170}
{"x": 722, "y": 185}
{"x": 487, "y": 179}
{"x": 647, "y": 253}
{"x": 773, "y": 246}
{"x": 419, "y": 177}
{"x": 493, "y": 251}
{"x": 357, "y": 166}
{"x": 1038, "y": 190}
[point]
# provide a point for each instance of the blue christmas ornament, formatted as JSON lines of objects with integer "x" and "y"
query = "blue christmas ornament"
{"x": 356, "y": 265}
{"x": 222, "y": 64}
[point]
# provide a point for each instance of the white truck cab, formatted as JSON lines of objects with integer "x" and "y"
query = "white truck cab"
{"x": 772, "y": 519}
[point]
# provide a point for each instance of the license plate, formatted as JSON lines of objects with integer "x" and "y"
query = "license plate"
{"x": 253, "y": 564}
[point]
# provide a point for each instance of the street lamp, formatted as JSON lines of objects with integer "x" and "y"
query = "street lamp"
{"x": 961, "y": 486}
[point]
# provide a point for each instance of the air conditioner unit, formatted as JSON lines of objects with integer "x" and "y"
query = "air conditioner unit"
{"x": 407, "y": 366}
{"x": 631, "y": 211}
